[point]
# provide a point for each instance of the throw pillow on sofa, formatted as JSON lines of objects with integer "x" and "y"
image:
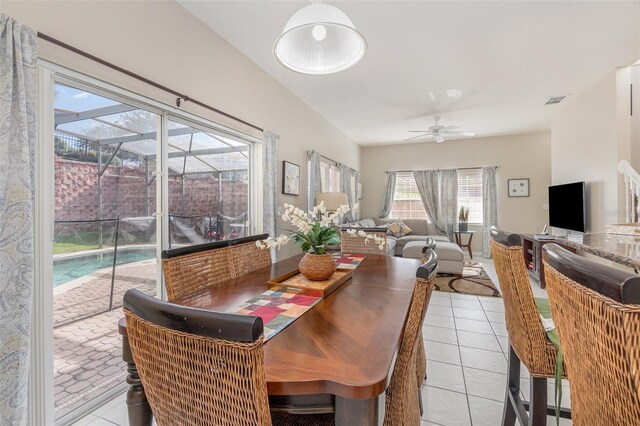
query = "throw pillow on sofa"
{"x": 399, "y": 229}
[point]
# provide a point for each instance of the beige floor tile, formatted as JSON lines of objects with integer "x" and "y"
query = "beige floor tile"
{"x": 485, "y": 384}
{"x": 483, "y": 360}
{"x": 445, "y": 310}
{"x": 439, "y": 321}
{"x": 478, "y": 340}
{"x": 474, "y": 326}
{"x": 442, "y": 352}
{"x": 440, "y": 334}
{"x": 445, "y": 376}
{"x": 474, "y": 314}
{"x": 445, "y": 407}
{"x": 485, "y": 412}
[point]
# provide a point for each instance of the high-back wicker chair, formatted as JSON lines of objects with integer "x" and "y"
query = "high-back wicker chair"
{"x": 202, "y": 367}
{"x": 527, "y": 337}
{"x": 354, "y": 244}
{"x": 246, "y": 257}
{"x": 402, "y": 399}
{"x": 421, "y": 356}
{"x": 596, "y": 309}
{"x": 187, "y": 269}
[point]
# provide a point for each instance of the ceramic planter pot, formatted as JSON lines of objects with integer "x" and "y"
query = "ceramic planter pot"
{"x": 317, "y": 267}
{"x": 463, "y": 226}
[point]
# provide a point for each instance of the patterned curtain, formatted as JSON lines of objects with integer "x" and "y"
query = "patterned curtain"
{"x": 388, "y": 195}
{"x": 448, "y": 200}
{"x": 270, "y": 184}
{"x": 18, "y": 107}
{"x": 489, "y": 207}
{"x": 345, "y": 186}
{"x": 427, "y": 183}
{"x": 315, "y": 178}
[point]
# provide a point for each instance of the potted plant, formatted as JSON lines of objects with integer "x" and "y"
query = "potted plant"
{"x": 463, "y": 219}
{"x": 316, "y": 230}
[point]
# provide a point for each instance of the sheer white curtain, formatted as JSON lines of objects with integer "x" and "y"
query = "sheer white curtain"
{"x": 270, "y": 184}
{"x": 356, "y": 213}
{"x": 429, "y": 189}
{"x": 345, "y": 186}
{"x": 489, "y": 207}
{"x": 18, "y": 106}
{"x": 315, "y": 178}
{"x": 388, "y": 195}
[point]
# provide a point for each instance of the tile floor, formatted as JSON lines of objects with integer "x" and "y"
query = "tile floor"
{"x": 465, "y": 340}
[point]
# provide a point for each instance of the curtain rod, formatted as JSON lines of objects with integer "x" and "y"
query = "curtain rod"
{"x": 180, "y": 96}
{"x": 331, "y": 159}
{"x": 460, "y": 168}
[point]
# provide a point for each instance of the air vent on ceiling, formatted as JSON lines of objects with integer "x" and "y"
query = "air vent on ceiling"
{"x": 554, "y": 100}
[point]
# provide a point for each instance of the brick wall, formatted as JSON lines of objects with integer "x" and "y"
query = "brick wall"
{"x": 124, "y": 192}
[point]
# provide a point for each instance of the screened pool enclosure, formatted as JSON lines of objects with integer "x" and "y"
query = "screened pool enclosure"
{"x": 107, "y": 154}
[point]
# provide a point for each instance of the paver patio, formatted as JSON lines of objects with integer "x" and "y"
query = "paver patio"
{"x": 87, "y": 346}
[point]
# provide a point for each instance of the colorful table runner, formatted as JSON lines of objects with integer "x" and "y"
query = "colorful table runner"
{"x": 277, "y": 309}
{"x": 347, "y": 261}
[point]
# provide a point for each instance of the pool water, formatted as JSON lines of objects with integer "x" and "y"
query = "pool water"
{"x": 77, "y": 267}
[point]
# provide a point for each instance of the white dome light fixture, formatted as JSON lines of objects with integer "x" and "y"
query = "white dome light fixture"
{"x": 319, "y": 39}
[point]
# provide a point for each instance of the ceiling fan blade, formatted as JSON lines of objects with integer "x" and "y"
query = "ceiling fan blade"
{"x": 419, "y": 131}
{"x": 449, "y": 128}
{"x": 460, "y": 133}
{"x": 417, "y": 137}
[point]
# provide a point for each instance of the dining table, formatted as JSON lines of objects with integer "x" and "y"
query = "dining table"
{"x": 338, "y": 356}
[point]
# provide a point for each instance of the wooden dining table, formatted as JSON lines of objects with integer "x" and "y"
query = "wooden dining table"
{"x": 339, "y": 355}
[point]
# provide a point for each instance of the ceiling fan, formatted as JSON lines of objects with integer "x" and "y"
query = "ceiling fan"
{"x": 439, "y": 132}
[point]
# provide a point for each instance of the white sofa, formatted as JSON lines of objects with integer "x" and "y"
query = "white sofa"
{"x": 420, "y": 230}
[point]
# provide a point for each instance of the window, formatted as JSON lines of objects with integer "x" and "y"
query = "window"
{"x": 470, "y": 193}
{"x": 330, "y": 176}
{"x": 407, "y": 203}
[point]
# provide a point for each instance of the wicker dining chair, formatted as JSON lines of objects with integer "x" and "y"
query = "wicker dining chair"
{"x": 202, "y": 367}
{"x": 402, "y": 401}
{"x": 527, "y": 337}
{"x": 596, "y": 309}
{"x": 421, "y": 355}
{"x": 246, "y": 257}
{"x": 354, "y": 244}
{"x": 187, "y": 269}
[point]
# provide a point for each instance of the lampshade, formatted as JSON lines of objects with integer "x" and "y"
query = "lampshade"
{"x": 319, "y": 39}
{"x": 332, "y": 200}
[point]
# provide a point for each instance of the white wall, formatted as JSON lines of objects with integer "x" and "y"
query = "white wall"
{"x": 517, "y": 156}
{"x": 589, "y": 136}
{"x": 164, "y": 42}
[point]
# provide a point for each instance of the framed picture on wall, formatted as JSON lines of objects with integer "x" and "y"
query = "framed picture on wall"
{"x": 518, "y": 187}
{"x": 290, "y": 178}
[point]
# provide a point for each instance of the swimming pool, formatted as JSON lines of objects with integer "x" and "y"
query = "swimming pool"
{"x": 71, "y": 268}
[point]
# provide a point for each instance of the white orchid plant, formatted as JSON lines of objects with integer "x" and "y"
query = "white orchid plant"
{"x": 316, "y": 229}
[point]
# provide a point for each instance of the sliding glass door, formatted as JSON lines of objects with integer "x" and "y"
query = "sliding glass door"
{"x": 104, "y": 235}
{"x": 130, "y": 180}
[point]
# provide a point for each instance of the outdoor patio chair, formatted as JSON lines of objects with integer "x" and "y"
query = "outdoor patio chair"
{"x": 528, "y": 342}
{"x": 202, "y": 367}
{"x": 596, "y": 309}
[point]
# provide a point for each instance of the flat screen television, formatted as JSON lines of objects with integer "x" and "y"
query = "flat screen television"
{"x": 567, "y": 206}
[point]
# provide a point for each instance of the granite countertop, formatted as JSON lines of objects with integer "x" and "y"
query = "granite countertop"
{"x": 619, "y": 248}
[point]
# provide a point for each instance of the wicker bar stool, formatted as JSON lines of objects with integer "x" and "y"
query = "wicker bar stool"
{"x": 402, "y": 402}
{"x": 596, "y": 309}
{"x": 187, "y": 269}
{"x": 246, "y": 257}
{"x": 202, "y": 367}
{"x": 528, "y": 341}
{"x": 353, "y": 244}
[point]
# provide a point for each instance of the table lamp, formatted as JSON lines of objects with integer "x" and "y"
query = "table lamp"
{"x": 332, "y": 200}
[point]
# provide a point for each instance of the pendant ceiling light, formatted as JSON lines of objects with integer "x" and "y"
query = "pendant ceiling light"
{"x": 319, "y": 39}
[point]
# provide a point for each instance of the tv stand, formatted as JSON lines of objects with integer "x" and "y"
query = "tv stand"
{"x": 532, "y": 251}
